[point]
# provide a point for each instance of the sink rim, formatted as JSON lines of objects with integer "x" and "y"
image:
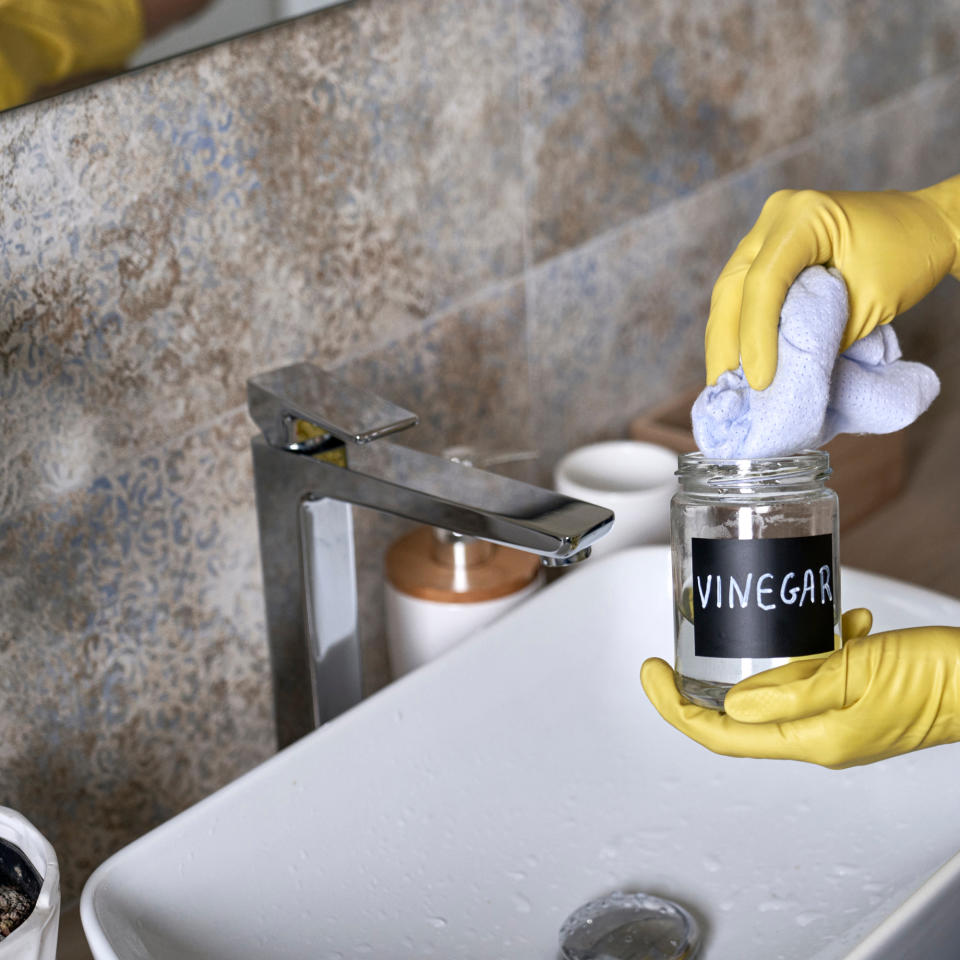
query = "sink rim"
{"x": 100, "y": 880}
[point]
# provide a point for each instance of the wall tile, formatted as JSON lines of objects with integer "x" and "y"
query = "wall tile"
{"x": 169, "y": 231}
{"x": 630, "y": 105}
{"x": 618, "y": 325}
{"x": 135, "y": 677}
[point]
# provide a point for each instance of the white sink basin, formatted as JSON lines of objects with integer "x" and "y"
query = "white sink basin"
{"x": 467, "y": 809}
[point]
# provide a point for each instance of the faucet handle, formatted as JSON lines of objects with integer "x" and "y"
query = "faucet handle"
{"x": 279, "y": 398}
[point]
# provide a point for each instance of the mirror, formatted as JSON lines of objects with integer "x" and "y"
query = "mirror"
{"x": 51, "y": 46}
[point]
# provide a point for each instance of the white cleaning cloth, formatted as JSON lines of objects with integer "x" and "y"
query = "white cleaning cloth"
{"x": 815, "y": 394}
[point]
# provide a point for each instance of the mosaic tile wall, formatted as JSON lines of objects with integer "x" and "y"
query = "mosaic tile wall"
{"x": 505, "y": 215}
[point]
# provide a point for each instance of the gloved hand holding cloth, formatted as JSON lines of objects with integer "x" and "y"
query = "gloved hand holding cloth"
{"x": 815, "y": 394}
{"x": 892, "y": 248}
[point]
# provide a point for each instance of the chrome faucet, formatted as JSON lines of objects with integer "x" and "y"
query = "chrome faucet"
{"x": 321, "y": 451}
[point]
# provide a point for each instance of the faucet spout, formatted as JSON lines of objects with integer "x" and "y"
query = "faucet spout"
{"x": 470, "y": 501}
{"x": 304, "y": 497}
{"x": 569, "y": 561}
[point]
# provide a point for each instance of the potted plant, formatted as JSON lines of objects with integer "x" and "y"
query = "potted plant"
{"x": 29, "y": 891}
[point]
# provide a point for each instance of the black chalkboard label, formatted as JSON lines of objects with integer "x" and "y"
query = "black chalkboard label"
{"x": 763, "y": 598}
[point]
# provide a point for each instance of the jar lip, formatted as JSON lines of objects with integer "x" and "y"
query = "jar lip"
{"x": 803, "y": 466}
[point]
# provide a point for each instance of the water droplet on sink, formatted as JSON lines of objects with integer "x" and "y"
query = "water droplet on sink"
{"x": 805, "y": 919}
{"x": 711, "y": 864}
{"x": 521, "y": 904}
{"x": 516, "y": 875}
{"x": 438, "y": 923}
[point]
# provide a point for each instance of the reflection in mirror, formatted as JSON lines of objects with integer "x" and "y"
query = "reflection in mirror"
{"x": 49, "y": 46}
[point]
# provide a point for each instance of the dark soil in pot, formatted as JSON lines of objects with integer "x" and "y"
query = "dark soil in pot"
{"x": 19, "y": 888}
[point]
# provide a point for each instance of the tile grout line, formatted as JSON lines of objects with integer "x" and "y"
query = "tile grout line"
{"x": 526, "y": 179}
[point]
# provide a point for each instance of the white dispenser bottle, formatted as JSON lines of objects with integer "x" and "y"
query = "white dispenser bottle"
{"x": 441, "y": 586}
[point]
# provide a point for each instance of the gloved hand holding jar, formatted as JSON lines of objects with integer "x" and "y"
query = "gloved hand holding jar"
{"x": 883, "y": 694}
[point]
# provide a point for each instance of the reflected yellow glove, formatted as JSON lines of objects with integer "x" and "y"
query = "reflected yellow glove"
{"x": 878, "y": 697}
{"x": 892, "y": 248}
{"x": 44, "y": 42}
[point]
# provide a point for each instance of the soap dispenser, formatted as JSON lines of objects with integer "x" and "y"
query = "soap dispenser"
{"x": 442, "y": 586}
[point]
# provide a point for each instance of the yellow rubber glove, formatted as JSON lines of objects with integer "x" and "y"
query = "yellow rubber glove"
{"x": 877, "y": 697}
{"x": 892, "y": 248}
{"x": 44, "y": 42}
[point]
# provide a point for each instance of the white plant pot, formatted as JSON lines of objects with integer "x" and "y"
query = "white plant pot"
{"x": 36, "y": 937}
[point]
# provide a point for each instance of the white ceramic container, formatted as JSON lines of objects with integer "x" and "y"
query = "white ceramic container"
{"x": 419, "y": 631}
{"x": 633, "y": 479}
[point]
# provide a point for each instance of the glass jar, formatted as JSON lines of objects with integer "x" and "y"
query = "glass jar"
{"x": 755, "y": 568}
